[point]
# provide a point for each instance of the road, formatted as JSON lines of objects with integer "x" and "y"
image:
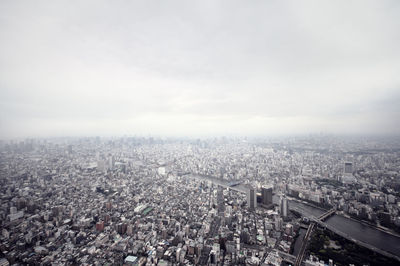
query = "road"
{"x": 302, "y": 252}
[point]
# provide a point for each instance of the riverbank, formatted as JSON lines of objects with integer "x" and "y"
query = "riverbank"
{"x": 341, "y": 213}
{"x": 328, "y": 245}
{"x": 355, "y": 230}
{"x": 377, "y": 227}
{"x": 306, "y": 203}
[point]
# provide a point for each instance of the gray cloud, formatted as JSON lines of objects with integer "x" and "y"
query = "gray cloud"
{"x": 206, "y": 68}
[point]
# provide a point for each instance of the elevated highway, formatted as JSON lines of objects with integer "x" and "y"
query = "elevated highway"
{"x": 300, "y": 256}
{"x": 344, "y": 235}
{"x": 236, "y": 186}
{"x": 320, "y": 221}
{"x": 317, "y": 220}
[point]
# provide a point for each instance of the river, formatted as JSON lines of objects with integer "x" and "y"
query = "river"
{"x": 299, "y": 241}
{"x": 356, "y": 230}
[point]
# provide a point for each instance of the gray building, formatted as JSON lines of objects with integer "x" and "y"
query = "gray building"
{"x": 266, "y": 195}
{"x": 251, "y": 198}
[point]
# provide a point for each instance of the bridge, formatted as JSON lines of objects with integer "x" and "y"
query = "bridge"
{"x": 235, "y": 183}
{"x": 320, "y": 221}
{"x": 300, "y": 256}
{"x": 346, "y": 236}
{"x": 327, "y": 214}
{"x": 317, "y": 220}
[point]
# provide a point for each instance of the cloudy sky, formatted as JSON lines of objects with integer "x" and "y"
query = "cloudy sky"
{"x": 199, "y": 68}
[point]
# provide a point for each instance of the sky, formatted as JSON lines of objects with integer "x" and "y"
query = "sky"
{"x": 199, "y": 68}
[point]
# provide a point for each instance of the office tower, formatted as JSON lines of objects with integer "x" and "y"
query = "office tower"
{"x": 106, "y": 217}
{"x": 187, "y": 230}
{"x": 121, "y": 228}
{"x": 111, "y": 162}
{"x": 284, "y": 207}
{"x": 178, "y": 254}
{"x": 100, "y": 226}
{"x": 251, "y": 199}
{"x": 266, "y": 194}
{"x": 278, "y": 224}
{"x": 348, "y": 168}
{"x": 348, "y": 173}
{"x": 220, "y": 199}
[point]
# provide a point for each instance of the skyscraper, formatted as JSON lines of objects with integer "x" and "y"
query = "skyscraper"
{"x": 348, "y": 168}
{"x": 111, "y": 162}
{"x": 266, "y": 194}
{"x": 284, "y": 206}
{"x": 220, "y": 199}
{"x": 348, "y": 173}
{"x": 251, "y": 198}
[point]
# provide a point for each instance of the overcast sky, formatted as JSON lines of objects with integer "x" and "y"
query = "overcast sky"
{"x": 199, "y": 68}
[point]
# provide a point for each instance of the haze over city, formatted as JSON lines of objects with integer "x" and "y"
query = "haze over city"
{"x": 220, "y": 133}
{"x": 208, "y": 68}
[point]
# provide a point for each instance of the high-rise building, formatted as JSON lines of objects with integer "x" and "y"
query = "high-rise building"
{"x": 278, "y": 223}
{"x": 251, "y": 199}
{"x": 220, "y": 199}
{"x": 111, "y": 163}
{"x": 284, "y": 207}
{"x": 266, "y": 194}
{"x": 178, "y": 254}
{"x": 121, "y": 228}
{"x": 100, "y": 226}
{"x": 348, "y": 168}
{"x": 348, "y": 173}
{"x": 187, "y": 230}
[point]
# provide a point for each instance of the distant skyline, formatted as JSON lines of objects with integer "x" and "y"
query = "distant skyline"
{"x": 205, "y": 68}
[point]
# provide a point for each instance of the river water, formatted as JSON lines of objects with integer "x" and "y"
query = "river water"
{"x": 356, "y": 230}
{"x": 299, "y": 241}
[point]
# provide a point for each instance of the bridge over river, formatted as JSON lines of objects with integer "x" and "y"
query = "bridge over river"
{"x": 321, "y": 218}
{"x": 362, "y": 234}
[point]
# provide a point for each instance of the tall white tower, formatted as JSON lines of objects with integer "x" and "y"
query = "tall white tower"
{"x": 284, "y": 207}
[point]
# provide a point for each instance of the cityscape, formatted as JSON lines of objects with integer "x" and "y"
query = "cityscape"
{"x": 220, "y": 201}
{"x": 212, "y": 132}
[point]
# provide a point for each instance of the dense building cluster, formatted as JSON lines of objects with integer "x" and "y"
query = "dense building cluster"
{"x": 97, "y": 201}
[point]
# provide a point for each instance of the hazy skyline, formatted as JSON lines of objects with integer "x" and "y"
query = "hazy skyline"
{"x": 186, "y": 68}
